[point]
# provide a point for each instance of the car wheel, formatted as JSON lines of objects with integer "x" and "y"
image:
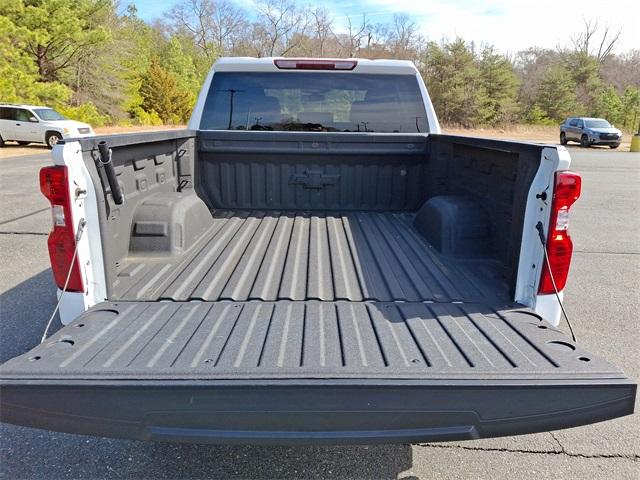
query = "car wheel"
{"x": 563, "y": 138}
{"x": 584, "y": 141}
{"x": 23, "y": 143}
{"x": 1, "y": 141}
{"x": 53, "y": 138}
{"x": 614, "y": 146}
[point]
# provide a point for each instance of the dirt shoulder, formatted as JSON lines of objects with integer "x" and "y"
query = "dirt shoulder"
{"x": 12, "y": 149}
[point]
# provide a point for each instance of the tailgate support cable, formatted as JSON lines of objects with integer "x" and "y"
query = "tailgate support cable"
{"x": 81, "y": 225}
{"x": 540, "y": 229}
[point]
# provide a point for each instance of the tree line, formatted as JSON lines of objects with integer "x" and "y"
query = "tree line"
{"x": 101, "y": 63}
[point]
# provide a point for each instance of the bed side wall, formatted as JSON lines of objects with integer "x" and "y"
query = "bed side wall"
{"x": 498, "y": 175}
{"x": 146, "y": 164}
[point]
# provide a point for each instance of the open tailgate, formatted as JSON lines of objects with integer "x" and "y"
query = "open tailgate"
{"x": 309, "y": 371}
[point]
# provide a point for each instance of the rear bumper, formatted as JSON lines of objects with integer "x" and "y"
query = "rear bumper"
{"x": 312, "y": 411}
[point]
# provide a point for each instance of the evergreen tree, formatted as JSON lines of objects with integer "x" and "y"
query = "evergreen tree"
{"x": 631, "y": 109}
{"x": 453, "y": 77}
{"x": 176, "y": 62}
{"x": 60, "y": 32}
{"x": 160, "y": 94}
{"x": 19, "y": 78}
{"x": 500, "y": 86}
{"x": 534, "y": 115}
{"x": 585, "y": 73}
{"x": 137, "y": 44}
{"x": 556, "y": 94}
{"x": 608, "y": 104}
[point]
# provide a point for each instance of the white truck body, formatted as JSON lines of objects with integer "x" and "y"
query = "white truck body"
{"x": 312, "y": 261}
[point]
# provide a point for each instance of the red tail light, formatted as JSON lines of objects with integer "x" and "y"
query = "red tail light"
{"x": 62, "y": 243}
{"x": 559, "y": 245}
{"x": 306, "y": 64}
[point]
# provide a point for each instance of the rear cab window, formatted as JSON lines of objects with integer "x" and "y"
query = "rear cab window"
{"x": 314, "y": 102}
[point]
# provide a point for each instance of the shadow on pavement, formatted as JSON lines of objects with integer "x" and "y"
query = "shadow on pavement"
{"x": 382, "y": 461}
{"x": 36, "y": 147}
{"x": 31, "y": 453}
{"x": 24, "y": 311}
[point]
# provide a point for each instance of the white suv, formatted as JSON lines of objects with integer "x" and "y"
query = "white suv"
{"x": 32, "y": 124}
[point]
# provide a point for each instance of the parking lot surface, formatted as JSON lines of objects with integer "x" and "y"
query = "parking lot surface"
{"x": 602, "y": 300}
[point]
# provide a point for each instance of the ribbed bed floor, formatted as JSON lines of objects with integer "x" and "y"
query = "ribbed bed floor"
{"x": 311, "y": 339}
{"x": 278, "y": 256}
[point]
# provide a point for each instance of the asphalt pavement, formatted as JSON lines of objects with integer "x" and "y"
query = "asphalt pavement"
{"x": 602, "y": 300}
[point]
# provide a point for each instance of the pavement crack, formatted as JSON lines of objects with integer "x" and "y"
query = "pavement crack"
{"x": 557, "y": 440}
{"x": 23, "y": 233}
{"x": 632, "y": 457}
{"x": 24, "y": 216}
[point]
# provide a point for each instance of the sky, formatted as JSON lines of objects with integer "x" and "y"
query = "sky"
{"x": 509, "y": 25}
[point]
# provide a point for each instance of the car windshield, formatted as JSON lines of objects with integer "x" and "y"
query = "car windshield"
{"x": 48, "y": 114}
{"x": 598, "y": 123}
{"x": 314, "y": 102}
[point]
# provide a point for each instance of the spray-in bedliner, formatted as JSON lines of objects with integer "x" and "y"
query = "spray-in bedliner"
{"x": 254, "y": 255}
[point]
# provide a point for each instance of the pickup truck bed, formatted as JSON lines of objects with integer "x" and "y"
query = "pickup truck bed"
{"x": 254, "y": 255}
{"x": 270, "y": 287}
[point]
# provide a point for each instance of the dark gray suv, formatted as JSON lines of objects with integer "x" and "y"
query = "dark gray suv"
{"x": 590, "y": 131}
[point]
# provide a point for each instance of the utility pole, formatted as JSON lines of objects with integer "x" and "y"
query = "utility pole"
{"x": 232, "y": 92}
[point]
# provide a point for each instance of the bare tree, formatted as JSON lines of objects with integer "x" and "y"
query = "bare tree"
{"x": 530, "y": 66}
{"x": 404, "y": 38}
{"x": 585, "y": 40}
{"x": 230, "y": 24}
{"x": 351, "y": 41}
{"x": 214, "y": 25}
{"x": 374, "y": 41}
{"x": 281, "y": 26}
{"x": 322, "y": 29}
{"x": 623, "y": 70}
{"x": 194, "y": 18}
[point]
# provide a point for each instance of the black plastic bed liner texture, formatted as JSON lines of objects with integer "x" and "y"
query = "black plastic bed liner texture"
{"x": 308, "y": 340}
{"x": 296, "y": 256}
